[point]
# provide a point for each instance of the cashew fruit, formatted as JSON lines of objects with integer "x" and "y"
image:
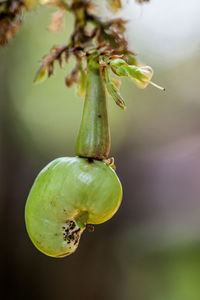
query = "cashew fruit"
{"x": 68, "y": 194}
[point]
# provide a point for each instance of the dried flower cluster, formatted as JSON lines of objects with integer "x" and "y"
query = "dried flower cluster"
{"x": 11, "y": 13}
{"x": 92, "y": 36}
{"x": 10, "y": 19}
{"x": 102, "y": 38}
{"x": 95, "y": 37}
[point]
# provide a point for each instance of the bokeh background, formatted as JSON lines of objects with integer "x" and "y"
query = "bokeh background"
{"x": 150, "y": 250}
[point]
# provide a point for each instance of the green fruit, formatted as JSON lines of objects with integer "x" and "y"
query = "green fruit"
{"x": 68, "y": 194}
{"x": 94, "y": 135}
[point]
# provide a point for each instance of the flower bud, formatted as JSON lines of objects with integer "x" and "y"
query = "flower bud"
{"x": 140, "y": 75}
{"x": 118, "y": 66}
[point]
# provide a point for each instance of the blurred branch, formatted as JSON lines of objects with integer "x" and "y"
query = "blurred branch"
{"x": 11, "y": 12}
{"x": 142, "y": 1}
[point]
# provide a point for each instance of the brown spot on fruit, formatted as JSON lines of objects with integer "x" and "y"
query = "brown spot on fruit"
{"x": 71, "y": 232}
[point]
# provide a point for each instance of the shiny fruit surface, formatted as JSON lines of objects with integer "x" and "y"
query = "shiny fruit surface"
{"x": 68, "y": 194}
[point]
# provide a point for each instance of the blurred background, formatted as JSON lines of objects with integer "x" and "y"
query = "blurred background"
{"x": 150, "y": 250}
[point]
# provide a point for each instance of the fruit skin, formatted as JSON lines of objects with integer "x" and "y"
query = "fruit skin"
{"x": 69, "y": 193}
{"x": 94, "y": 134}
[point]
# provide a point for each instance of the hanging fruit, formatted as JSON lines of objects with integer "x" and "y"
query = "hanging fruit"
{"x": 72, "y": 192}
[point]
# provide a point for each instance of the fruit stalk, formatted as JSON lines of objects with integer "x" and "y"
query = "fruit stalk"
{"x": 94, "y": 135}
